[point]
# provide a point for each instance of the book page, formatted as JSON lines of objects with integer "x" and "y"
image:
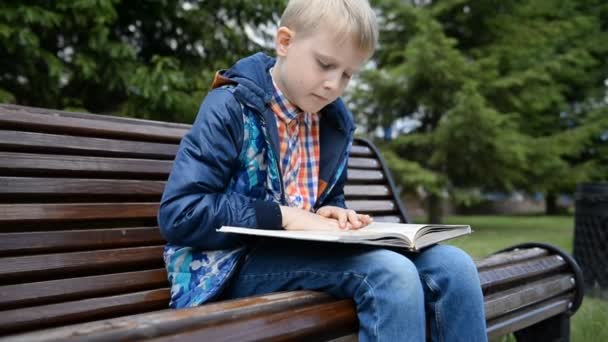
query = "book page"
{"x": 374, "y": 231}
{"x": 377, "y": 233}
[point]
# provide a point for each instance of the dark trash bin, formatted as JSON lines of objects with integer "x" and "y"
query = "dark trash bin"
{"x": 591, "y": 234}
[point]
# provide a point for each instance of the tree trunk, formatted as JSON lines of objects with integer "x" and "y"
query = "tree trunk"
{"x": 551, "y": 204}
{"x": 434, "y": 209}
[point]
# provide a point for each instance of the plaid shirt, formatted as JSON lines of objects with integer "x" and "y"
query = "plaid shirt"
{"x": 299, "y": 151}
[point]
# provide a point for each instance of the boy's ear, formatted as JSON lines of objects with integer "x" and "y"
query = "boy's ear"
{"x": 283, "y": 39}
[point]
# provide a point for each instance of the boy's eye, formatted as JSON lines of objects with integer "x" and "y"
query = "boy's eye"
{"x": 324, "y": 66}
{"x": 347, "y": 76}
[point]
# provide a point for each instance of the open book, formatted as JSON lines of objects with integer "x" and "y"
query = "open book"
{"x": 410, "y": 236}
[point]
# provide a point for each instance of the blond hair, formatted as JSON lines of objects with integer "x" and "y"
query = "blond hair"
{"x": 344, "y": 18}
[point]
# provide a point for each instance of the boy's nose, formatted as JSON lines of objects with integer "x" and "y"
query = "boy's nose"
{"x": 332, "y": 82}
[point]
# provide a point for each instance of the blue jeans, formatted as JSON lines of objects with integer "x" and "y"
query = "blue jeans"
{"x": 391, "y": 289}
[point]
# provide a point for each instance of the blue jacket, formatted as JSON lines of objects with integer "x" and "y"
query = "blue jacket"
{"x": 226, "y": 173}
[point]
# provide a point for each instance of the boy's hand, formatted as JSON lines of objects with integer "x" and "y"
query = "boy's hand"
{"x": 347, "y": 218}
{"x": 299, "y": 219}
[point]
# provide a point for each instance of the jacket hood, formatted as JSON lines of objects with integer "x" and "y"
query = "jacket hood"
{"x": 253, "y": 87}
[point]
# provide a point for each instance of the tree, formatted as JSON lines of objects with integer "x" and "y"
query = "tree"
{"x": 461, "y": 143}
{"x": 545, "y": 64}
{"x": 523, "y": 75}
{"x": 150, "y": 59}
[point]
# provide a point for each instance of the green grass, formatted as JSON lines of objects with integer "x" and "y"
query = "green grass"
{"x": 492, "y": 233}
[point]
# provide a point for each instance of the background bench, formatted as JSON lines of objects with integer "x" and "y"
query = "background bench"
{"x": 81, "y": 253}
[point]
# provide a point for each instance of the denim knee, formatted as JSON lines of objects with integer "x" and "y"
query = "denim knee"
{"x": 394, "y": 273}
{"x": 394, "y": 302}
{"x": 453, "y": 267}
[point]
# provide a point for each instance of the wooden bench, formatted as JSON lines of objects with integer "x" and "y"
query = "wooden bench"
{"x": 81, "y": 254}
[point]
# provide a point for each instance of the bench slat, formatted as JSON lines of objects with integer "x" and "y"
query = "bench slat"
{"x": 363, "y": 190}
{"x": 355, "y": 175}
{"x": 371, "y": 206}
{"x": 45, "y": 292}
{"x": 38, "y": 267}
{"x": 389, "y": 218}
{"x": 103, "y": 166}
{"x": 85, "y": 125}
{"x": 510, "y": 257}
{"x": 82, "y": 311}
{"x": 363, "y": 163}
{"x": 318, "y": 322}
{"x": 75, "y": 211}
{"x": 8, "y": 108}
{"x": 64, "y": 144}
{"x": 70, "y": 240}
{"x": 13, "y": 186}
{"x": 498, "y": 304}
{"x": 141, "y": 326}
{"x": 496, "y": 277}
{"x": 66, "y": 165}
{"x": 360, "y": 151}
{"x": 519, "y": 320}
{"x": 78, "y": 186}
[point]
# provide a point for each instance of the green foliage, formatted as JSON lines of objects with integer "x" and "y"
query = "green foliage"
{"x": 474, "y": 142}
{"x": 149, "y": 59}
{"x": 508, "y": 94}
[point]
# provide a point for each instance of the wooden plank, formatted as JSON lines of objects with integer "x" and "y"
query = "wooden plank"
{"x": 72, "y": 240}
{"x": 510, "y": 257}
{"x": 371, "y": 206}
{"x": 519, "y": 320}
{"x": 387, "y": 218}
{"x": 6, "y": 108}
{"x": 75, "y": 211}
{"x": 496, "y": 277}
{"x": 142, "y": 326}
{"x": 53, "y": 291}
{"x": 68, "y": 165}
{"x": 360, "y": 151}
{"x": 79, "y": 186}
{"x": 91, "y": 186}
{"x": 95, "y": 126}
{"x": 363, "y": 163}
{"x": 501, "y": 303}
{"x": 46, "y": 266}
{"x": 346, "y": 338}
{"x": 355, "y": 175}
{"x": 74, "y": 145}
{"x": 312, "y": 323}
{"x": 362, "y": 190}
{"x": 37, "y": 317}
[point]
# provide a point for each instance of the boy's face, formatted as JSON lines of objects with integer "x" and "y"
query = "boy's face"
{"x": 314, "y": 69}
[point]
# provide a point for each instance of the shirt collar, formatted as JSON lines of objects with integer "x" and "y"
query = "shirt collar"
{"x": 285, "y": 110}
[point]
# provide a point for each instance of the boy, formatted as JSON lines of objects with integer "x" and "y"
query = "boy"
{"x": 269, "y": 149}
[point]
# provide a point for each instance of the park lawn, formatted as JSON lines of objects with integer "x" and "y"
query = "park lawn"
{"x": 492, "y": 233}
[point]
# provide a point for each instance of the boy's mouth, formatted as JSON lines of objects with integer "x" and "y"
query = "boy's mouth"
{"x": 320, "y": 98}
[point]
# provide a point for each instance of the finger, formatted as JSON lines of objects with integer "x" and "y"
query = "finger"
{"x": 342, "y": 218}
{"x": 353, "y": 218}
{"x": 366, "y": 219}
{"x": 325, "y": 212}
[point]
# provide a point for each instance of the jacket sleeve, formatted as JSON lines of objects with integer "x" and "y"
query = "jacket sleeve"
{"x": 197, "y": 200}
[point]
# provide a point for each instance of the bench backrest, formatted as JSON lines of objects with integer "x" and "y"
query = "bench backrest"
{"x": 79, "y": 194}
